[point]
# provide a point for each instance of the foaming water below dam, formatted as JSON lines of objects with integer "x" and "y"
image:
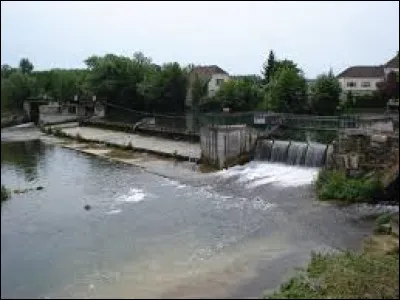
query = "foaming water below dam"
{"x": 291, "y": 153}
{"x": 257, "y": 173}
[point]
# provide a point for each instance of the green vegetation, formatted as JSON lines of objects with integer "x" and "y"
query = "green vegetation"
{"x": 325, "y": 94}
{"x": 5, "y": 194}
{"x": 120, "y": 153}
{"x": 345, "y": 275}
{"x": 335, "y": 185}
{"x": 383, "y": 223}
{"x": 136, "y": 83}
{"x": 371, "y": 274}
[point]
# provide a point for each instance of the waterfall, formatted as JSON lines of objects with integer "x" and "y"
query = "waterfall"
{"x": 292, "y": 153}
{"x": 315, "y": 156}
{"x": 279, "y": 151}
{"x": 297, "y": 153}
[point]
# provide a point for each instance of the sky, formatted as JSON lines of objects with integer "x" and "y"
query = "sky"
{"x": 236, "y": 36}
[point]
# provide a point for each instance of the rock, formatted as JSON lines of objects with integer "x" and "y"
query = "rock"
{"x": 87, "y": 207}
{"x": 39, "y": 188}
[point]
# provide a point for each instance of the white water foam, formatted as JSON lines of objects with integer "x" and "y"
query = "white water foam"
{"x": 113, "y": 212}
{"x": 177, "y": 184}
{"x": 260, "y": 173}
{"x": 134, "y": 195}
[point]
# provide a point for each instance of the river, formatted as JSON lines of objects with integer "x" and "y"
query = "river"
{"x": 231, "y": 234}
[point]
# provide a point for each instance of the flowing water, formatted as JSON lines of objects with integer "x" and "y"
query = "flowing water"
{"x": 230, "y": 234}
{"x": 291, "y": 153}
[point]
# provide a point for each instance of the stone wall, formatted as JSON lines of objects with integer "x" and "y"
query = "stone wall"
{"x": 363, "y": 151}
{"x": 220, "y": 144}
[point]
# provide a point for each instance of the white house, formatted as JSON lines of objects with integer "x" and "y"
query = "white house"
{"x": 214, "y": 75}
{"x": 366, "y": 79}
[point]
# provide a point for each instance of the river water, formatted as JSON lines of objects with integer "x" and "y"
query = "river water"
{"x": 231, "y": 234}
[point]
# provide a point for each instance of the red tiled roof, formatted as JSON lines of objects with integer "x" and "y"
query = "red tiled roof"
{"x": 363, "y": 72}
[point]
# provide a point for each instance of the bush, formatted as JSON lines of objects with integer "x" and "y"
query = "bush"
{"x": 333, "y": 184}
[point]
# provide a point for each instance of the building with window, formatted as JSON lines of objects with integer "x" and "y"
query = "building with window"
{"x": 214, "y": 77}
{"x": 366, "y": 79}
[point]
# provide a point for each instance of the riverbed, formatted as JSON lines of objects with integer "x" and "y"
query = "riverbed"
{"x": 170, "y": 233}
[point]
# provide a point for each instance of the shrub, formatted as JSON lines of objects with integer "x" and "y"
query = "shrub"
{"x": 334, "y": 184}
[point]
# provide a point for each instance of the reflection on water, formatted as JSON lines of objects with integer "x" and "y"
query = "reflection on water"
{"x": 23, "y": 156}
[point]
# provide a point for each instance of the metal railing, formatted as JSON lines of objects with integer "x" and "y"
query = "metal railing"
{"x": 191, "y": 123}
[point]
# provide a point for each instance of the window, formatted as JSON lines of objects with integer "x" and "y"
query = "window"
{"x": 365, "y": 84}
{"x": 351, "y": 84}
{"x": 219, "y": 82}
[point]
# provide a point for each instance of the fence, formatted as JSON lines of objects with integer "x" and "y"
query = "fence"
{"x": 190, "y": 123}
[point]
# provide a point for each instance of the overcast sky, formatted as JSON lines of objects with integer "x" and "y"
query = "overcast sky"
{"x": 236, "y": 36}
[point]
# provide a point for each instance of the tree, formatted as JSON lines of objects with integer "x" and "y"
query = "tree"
{"x": 16, "y": 89}
{"x": 325, "y": 94}
{"x": 287, "y": 91}
{"x": 164, "y": 90}
{"x": 239, "y": 95}
{"x": 6, "y": 71}
{"x": 286, "y": 63}
{"x": 269, "y": 67}
{"x": 199, "y": 89}
{"x": 25, "y": 66}
{"x": 389, "y": 89}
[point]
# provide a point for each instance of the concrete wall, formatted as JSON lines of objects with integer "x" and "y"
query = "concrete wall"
{"x": 99, "y": 110}
{"x": 221, "y": 143}
{"x": 50, "y": 109}
{"x": 54, "y": 113}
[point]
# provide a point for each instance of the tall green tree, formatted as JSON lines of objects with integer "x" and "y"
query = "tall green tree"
{"x": 25, "y": 66}
{"x": 269, "y": 67}
{"x": 287, "y": 91}
{"x": 199, "y": 89}
{"x": 325, "y": 94}
{"x": 239, "y": 95}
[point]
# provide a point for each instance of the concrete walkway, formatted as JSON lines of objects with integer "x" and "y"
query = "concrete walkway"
{"x": 186, "y": 150}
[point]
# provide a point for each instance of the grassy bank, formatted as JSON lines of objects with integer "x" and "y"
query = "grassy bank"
{"x": 346, "y": 275}
{"x": 371, "y": 274}
{"x": 335, "y": 185}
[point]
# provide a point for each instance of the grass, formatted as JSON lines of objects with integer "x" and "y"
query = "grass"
{"x": 205, "y": 168}
{"x": 120, "y": 153}
{"x": 5, "y": 194}
{"x": 335, "y": 185}
{"x": 343, "y": 276}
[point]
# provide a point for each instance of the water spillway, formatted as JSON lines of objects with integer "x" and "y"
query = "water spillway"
{"x": 291, "y": 153}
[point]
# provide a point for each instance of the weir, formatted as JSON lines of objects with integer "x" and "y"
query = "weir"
{"x": 291, "y": 153}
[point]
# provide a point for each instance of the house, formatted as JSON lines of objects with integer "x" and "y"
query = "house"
{"x": 365, "y": 79}
{"x": 213, "y": 75}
